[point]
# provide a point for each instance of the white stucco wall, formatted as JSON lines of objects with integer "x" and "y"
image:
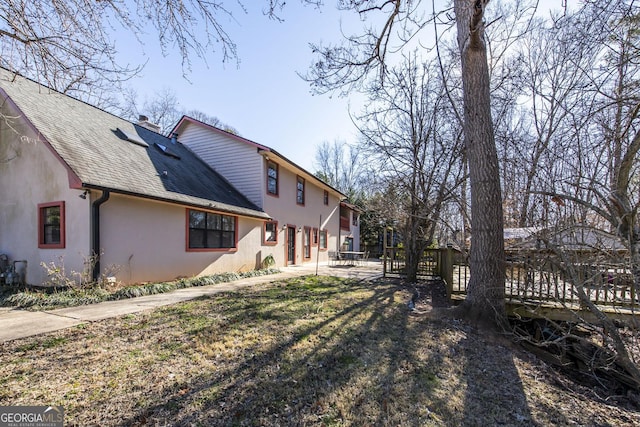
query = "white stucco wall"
{"x": 30, "y": 174}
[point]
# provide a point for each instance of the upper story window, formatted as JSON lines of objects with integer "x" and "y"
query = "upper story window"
{"x": 209, "y": 230}
{"x": 51, "y": 229}
{"x": 326, "y": 197}
{"x": 300, "y": 191}
{"x": 270, "y": 233}
{"x": 272, "y": 178}
{"x": 355, "y": 218}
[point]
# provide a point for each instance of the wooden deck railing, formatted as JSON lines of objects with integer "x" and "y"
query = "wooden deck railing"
{"x": 433, "y": 263}
{"x": 531, "y": 276}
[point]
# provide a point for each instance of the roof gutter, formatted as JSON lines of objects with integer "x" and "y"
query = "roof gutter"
{"x": 95, "y": 245}
{"x": 258, "y": 214}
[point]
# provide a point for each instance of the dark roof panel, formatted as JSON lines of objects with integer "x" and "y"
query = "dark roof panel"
{"x": 105, "y": 151}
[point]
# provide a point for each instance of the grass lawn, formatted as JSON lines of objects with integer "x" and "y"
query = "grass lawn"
{"x": 308, "y": 351}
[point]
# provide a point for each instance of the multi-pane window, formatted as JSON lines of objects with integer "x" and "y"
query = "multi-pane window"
{"x": 211, "y": 231}
{"x": 51, "y": 232}
{"x": 270, "y": 233}
{"x": 323, "y": 239}
{"x": 51, "y": 225}
{"x": 272, "y": 178}
{"x": 355, "y": 218}
{"x": 300, "y": 191}
{"x": 326, "y": 197}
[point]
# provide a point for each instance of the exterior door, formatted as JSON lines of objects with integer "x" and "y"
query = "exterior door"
{"x": 349, "y": 243}
{"x": 291, "y": 245}
{"x": 306, "y": 243}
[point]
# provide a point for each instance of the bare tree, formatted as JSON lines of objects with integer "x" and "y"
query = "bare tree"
{"x": 210, "y": 120}
{"x": 406, "y": 133}
{"x": 622, "y": 134}
{"x": 69, "y": 46}
{"x": 553, "y": 83}
{"x": 163, "y": 109}
{"x": 401, "y": 25}
{"x": 585, "y": 105}
{"x": 342, "y": 166}
{"x": 601, "y": 174}
{"x": 369, "y": 53}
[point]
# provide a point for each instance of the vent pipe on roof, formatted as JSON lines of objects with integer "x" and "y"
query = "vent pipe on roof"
{"x": 145, "y": 123}
{"x": 174, "y": 137}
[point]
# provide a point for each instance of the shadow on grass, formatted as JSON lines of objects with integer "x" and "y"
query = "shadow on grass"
{"x": 364, "y": 364}
{"x": 494, "y": 392}
{"x": 363, "y": 359}
{"x": 307, "y": 351}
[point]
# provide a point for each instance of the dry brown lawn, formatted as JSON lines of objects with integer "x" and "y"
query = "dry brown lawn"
{"x": 303, "y": 352}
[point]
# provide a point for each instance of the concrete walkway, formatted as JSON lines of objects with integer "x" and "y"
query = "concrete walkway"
{"x": 15, "y": 323}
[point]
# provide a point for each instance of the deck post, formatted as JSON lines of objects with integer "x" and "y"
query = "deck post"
{"x": 386, "y": 250}
{"x": 446, "y": 269}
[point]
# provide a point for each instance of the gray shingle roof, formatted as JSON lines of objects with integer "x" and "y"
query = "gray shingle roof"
{"x": 88, "y": 140}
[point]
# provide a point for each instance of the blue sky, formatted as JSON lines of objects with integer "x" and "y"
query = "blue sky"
{"x": 263, "y": 98}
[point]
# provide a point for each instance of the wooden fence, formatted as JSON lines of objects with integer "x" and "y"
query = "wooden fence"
{"x": 532, "y": 276}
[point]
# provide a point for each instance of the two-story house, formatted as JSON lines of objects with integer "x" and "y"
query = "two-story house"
{"x": 94, "y": 194}
{"x": 304, "y": 211}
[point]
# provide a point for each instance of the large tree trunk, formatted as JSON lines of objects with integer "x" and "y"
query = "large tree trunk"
{"x": 485, "y": 295}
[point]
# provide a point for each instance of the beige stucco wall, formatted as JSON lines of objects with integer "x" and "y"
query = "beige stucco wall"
{"x": 146, "y": 241}
{"x": 26, "y": 163}
{"x": 286, "y": 211}
{"x": 242, "y": 164}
